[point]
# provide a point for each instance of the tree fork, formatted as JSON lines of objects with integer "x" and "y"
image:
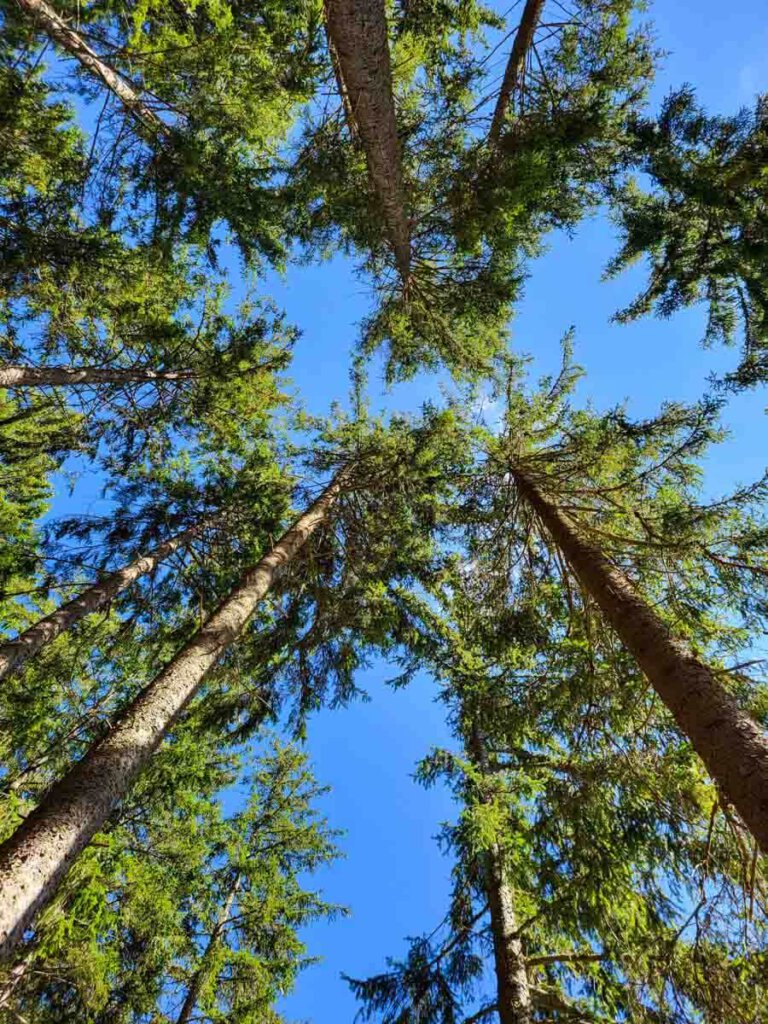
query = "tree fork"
{"x": 36, "y": 858}
{"x": 730, "y": 743}
{"x": 54, "y": 26}
{"x": 14, "y": 653}
{"x": 357, "y": 30}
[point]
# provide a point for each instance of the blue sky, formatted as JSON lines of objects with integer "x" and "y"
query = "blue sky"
{"x": 393, "y": 878}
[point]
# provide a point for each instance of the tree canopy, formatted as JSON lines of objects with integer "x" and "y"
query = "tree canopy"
{"x": 588, "y": 608}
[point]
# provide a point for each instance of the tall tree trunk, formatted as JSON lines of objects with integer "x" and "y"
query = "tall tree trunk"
{"x": 512, "y": 986}
{"x": 45, "y": 376}
{"x": 201, "y": 974}
{"x": 732, "y": 745}
{"x": 35, "y": 859}
{"x": 515, "y": 66}
{"x": 359, "y": 42}
{"x": 46, "y": 18}
{"x": 14, "y": 653}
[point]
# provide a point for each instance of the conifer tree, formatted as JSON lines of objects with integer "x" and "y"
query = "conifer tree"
{"x": 130, "y": 933}
{"x": 37, "y": 857}
{"x": 543, "y": 571}
{"x": 702, "y": 226}
{"x": 586, "y": 830}
{"x": 195, "y": 132}
{"x": 632, "y": 477}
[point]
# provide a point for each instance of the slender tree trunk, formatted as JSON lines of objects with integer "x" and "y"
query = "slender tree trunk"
{"x": 732, "y": 745}
{"x": 200, "y": 975}
{"x": 512, "y": 986}
{"x": 14, "y": 653}
{"x": 46, "y": 376}
{"x": 358, "y": 34}
{"x": 513, "y": 992}
{"x": 515, "y": 66}
{"x": 46, "y": 18}
{"x": 36, "y": 858}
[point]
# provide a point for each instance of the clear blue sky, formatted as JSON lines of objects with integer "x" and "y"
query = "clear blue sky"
{"x": 393, "y": 877}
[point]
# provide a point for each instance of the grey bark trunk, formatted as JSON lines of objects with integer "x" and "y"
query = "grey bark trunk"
{"x": 36, "y": 858}
{"x": 54, "y": 26}
{"x": 200, "y": 975}
{"x": 47, "y": 376}
{"x": 358, "y": 33}
{"x": 513, "y": 992}
{"x": 730, "y": 743}
{"x": 515, "y": 66}
{"x": 512, "y": 986}
{"x": 14, "y": 653}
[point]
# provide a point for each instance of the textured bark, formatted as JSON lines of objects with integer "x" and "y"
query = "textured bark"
{"x": 341, "y": 88}
{"x": 36, "y": 858}
{"x": 513, "y": 993}
{"x": 54, "y": 26}
{"x": 14, "y": 653}
{"x": 512, "y": 988}
{"x": 47, "y": 376}
{"x": 515, "y": 66}
{"x": 357, "y": 30}
{"x": 200, "y": 975}
{"x": 730, "y": 743}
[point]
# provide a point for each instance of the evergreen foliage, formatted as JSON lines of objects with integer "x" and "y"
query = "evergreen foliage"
{"x": 157, "y": 159}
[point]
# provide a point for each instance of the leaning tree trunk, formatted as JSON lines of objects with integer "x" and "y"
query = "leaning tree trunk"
{"x": 36, "y": 858}
{"x": 200, "y": 975}
{"x": 51, "y": 376}
{"x": 359, "y": 45}
{"x": 515, "y": 66}
{"x": 512, "y": 986}
{"x": 54, "y": 26}
{"x": 14, "y": 653}
{"x": 730, "y": 743}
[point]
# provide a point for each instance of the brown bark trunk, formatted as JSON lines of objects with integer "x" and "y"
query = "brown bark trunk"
{"x": 513, "y": 993}
{"x": 47, "y": 376}
{"x": 46, "y": 18}
{"x": 512, "y": 987}
{"x": 14, "y": 653}
{"x": 515, "y": 66}
{"x": 358, "y": 33}
{"x": 200, "y": 975}
{"x": 35, "y": 859}
{"x": 731, "y": 744}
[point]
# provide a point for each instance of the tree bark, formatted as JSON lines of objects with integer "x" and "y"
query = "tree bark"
{"x": 515, "y": 66}
{"x": 46, "y": 376}
{"x": 358, "y": 34}
{"x": 512, "y": 987}
{"x": 36, "y": 858}
{"x": 14, "y": 653}
{"x": 200, "y": 975}
{"x": 514, "y": 997}
{"x": 730, "y": 743}
{"x": 54, "y": 26}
